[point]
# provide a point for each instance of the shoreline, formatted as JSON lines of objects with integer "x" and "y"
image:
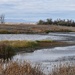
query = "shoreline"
{"x": 10, "y": 48}
{"x": 45, "y": 46}
{"x": 31, "y": 46}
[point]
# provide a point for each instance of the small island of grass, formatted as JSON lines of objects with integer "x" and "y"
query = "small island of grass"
{"x": 28, "y": 46}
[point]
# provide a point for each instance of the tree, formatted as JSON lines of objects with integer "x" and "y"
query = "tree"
{"x": 41, "y": 22}
{"x": 2, "y": 19}
{"x": 49, "y": 21}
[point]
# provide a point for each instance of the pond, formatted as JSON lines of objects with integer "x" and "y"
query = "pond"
{"x": 51, "y": 36}
{"x": 46, "y": 57}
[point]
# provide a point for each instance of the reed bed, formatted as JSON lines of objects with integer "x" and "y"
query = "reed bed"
{"x": 15, "y": 68}
{"x": 64, "y": 69}
{"x": 6, "y": 51}
{"x": 25, "y": 68}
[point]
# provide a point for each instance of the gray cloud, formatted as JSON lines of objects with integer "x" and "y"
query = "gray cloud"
{"x": 19, "y": 7}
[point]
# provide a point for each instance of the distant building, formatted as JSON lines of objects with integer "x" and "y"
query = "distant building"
{"x": 2, "y": 19}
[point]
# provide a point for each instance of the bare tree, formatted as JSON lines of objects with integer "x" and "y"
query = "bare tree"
{"x": 2, "y": 18}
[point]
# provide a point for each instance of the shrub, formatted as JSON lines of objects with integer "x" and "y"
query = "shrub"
{"x": 6, "y": 51}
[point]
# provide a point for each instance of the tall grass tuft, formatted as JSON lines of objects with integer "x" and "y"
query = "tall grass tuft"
{"x": 6, "y": 51}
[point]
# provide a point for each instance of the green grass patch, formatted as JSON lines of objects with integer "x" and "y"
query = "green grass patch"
{"x": 20, "y": 44}
{"x": 24, "y": 43}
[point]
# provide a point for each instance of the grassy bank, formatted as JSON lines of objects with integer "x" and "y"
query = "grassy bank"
{"x": 30, "y": 46}
{"x": 20, "y": 44}
{"x": 9, "y": 48}
{"x": 61, "y": 30}
{"x": 33, "y": 31}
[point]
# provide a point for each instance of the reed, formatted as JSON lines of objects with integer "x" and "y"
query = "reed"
{"x": 65, "y": 69}
{"x": 25, "y": 68}
{"x": 15, "y": 68}
{"x": 6, "y": 51}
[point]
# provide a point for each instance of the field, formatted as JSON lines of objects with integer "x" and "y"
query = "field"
{"x": 33, "y": 28}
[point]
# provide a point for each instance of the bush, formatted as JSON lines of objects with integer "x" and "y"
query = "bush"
{"x": 6, "y": 51}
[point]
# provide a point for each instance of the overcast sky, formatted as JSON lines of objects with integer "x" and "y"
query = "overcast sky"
{"x": 22, "y": 9}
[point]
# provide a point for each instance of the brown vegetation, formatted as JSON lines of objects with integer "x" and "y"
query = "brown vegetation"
{"x": 15, "y": 68}
{"x": 25, "y": 68}
{"x": 31, "y": 29}
{"x": 30, "y": 46}
{"x": 65, "y": 69}
{"x": 9, "y": 48}
{"x": 6, "y": 51}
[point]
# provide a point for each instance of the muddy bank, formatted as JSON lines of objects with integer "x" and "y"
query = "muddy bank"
{"x": 45, "y": 45}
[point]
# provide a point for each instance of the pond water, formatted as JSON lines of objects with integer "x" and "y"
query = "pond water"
{"x": 51, "y": 36}
{"x": 46, "y": 57}
{"x": 49, "y": 55}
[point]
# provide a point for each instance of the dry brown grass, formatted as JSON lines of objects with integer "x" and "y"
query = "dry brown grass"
{"x": 30, "y": 28}
{"x": 25, "y": 68}
{"x": 64, "y": 70}
{"x": 14, "y": 68}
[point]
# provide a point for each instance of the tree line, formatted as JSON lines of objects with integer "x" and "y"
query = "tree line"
{"x": 57, "y": 22}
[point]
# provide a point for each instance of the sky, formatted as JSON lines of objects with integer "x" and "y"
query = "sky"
{"x": 34, "y": 10}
